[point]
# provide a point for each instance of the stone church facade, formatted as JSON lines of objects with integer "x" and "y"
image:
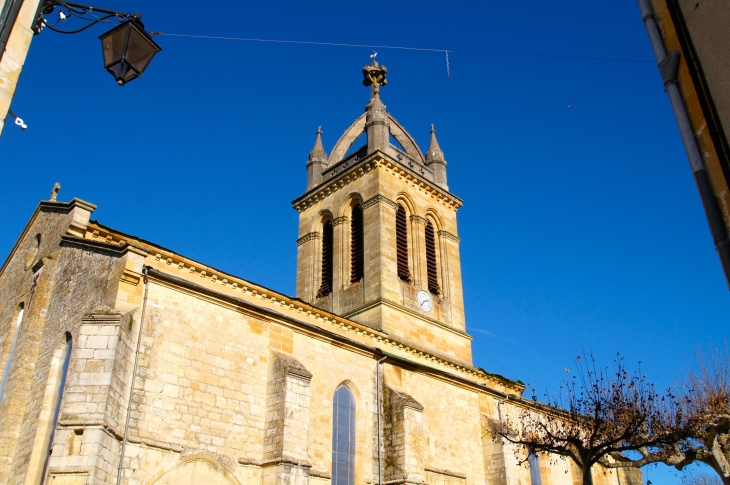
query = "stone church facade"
{"x": 125, "y": 362}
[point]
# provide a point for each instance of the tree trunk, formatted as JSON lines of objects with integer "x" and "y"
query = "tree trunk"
{"x": 712, "y": 462}
{"x": 587, "y": 475}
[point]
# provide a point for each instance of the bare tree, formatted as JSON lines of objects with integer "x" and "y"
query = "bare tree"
{"x": 598, "y": 413}
{"x": 701, "y": 479}
{"x": 706, "y": 412}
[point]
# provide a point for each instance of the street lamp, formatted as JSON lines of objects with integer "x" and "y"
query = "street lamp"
{"x": 127, "y": 49}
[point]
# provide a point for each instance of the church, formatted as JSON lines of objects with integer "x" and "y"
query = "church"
{"x": 124, "y": 362}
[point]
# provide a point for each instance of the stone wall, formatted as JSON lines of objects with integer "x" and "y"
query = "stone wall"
{"x": 235, "y": 383}
{"x": 13, "y": 59}
{"x": 381, "y": 300}
{"x": 59, "y": 280}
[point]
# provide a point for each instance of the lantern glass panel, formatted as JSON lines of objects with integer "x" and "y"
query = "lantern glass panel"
{"x": 118, "y": 70}
{"x": 130, "y": 73}
{"x": 141, "y": 49}
{"x": 113, "y": 44}
{"x": 127, "y": 50}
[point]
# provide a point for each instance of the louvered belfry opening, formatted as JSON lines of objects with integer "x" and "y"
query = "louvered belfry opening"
{"x": 357, "y": 246}
{"x": 401, "y": 237}
{"x": 326, "y": 287}
{"x": 433, "y": 280}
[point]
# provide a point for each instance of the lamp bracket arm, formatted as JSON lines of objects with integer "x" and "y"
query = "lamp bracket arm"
{"x": 47, "y": 6}
{"x": 90, "y": 8}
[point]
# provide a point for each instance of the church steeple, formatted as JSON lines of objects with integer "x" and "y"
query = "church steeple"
{"x": 377, "y": 232}
{"x": 435, "y": 159}
{"x": 317, "y": 161}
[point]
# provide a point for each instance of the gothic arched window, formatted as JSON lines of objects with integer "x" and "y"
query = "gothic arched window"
{"x": 11, "y": 350}
{"x": 401, "y": 239}
{"x": 431, "y": 268}
{"x": 534, "y": 462}
{"x": 357, "y": 246}
{"x": 51, "y": 407}
{"x": 326, "y": 287}
{"x": 343, "y": 437}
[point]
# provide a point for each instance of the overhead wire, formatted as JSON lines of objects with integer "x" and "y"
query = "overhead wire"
{"x": 423, "y": 49}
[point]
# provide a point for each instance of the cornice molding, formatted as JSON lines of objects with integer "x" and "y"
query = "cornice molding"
{"x": 449, "y": 236}
{"x": 291, "y": 308}
{"x": 340, "y": 220}
{"x": 396, "y": 306}
{"x": 307, "y": 237}
{"x": 376, "y": 160}
{"x": 379, "y": 199}
{"x": 104, "y": 245}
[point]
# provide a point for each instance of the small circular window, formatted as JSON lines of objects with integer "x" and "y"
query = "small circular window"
{"x": 32, "y": 251}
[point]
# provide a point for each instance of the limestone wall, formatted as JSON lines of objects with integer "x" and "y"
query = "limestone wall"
{"x": 13, "y": 59}
{"x": 381, "y": 187}
{"x": 58, "y": 281}
{"x": 235, "y": 383}
{"x": 451, "y": 425}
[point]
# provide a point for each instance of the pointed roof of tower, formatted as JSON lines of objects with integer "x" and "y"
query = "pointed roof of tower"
{"x": 318, "y": 152}
{"x": 434, "y": 150}
{"x": 375, "y": 103}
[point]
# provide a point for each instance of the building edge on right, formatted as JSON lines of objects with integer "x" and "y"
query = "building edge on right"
{"x": 690, "y": 43}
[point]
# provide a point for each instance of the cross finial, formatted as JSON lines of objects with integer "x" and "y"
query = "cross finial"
{"x": 433, "y": 130}
{"x": 319, "y": 130}
{"x": 54, "y": 192}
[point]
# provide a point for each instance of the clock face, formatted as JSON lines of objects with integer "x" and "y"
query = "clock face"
{"x": 424, "y": 301}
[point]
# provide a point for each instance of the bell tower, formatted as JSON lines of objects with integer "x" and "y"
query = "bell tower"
{"x": 377, "y": 233}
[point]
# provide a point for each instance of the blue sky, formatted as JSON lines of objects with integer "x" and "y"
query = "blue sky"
{"x": 581, "y": 227}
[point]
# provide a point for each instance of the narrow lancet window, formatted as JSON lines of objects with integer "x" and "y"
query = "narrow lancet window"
{"x": 431, "y": 267}
{"x": 51, "y": 408}
{"x": 343, "y": 438}
{"x": 326, "y": 287}
{"x": 534, "y": 462}
{"x": 357, "y": 247}
{"x": 11, "y": 350}
{"x": 401, "y": 239}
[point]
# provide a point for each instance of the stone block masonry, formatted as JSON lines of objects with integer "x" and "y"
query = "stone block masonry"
{"x": 235, "y": 382}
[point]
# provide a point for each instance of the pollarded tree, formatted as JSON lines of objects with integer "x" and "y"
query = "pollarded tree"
{"x": 598, "y": 413}
{"x": 706, "y": 411}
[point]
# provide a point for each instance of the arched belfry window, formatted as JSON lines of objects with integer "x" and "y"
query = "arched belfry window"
{"x": 431, "y": 267}
{"x": 357, "y": 246}
{"x": 325, "y": 288}
{"x": 11, "y": 351}
{"x": 401, "y": 239}
{"x": 343, "y": 437}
